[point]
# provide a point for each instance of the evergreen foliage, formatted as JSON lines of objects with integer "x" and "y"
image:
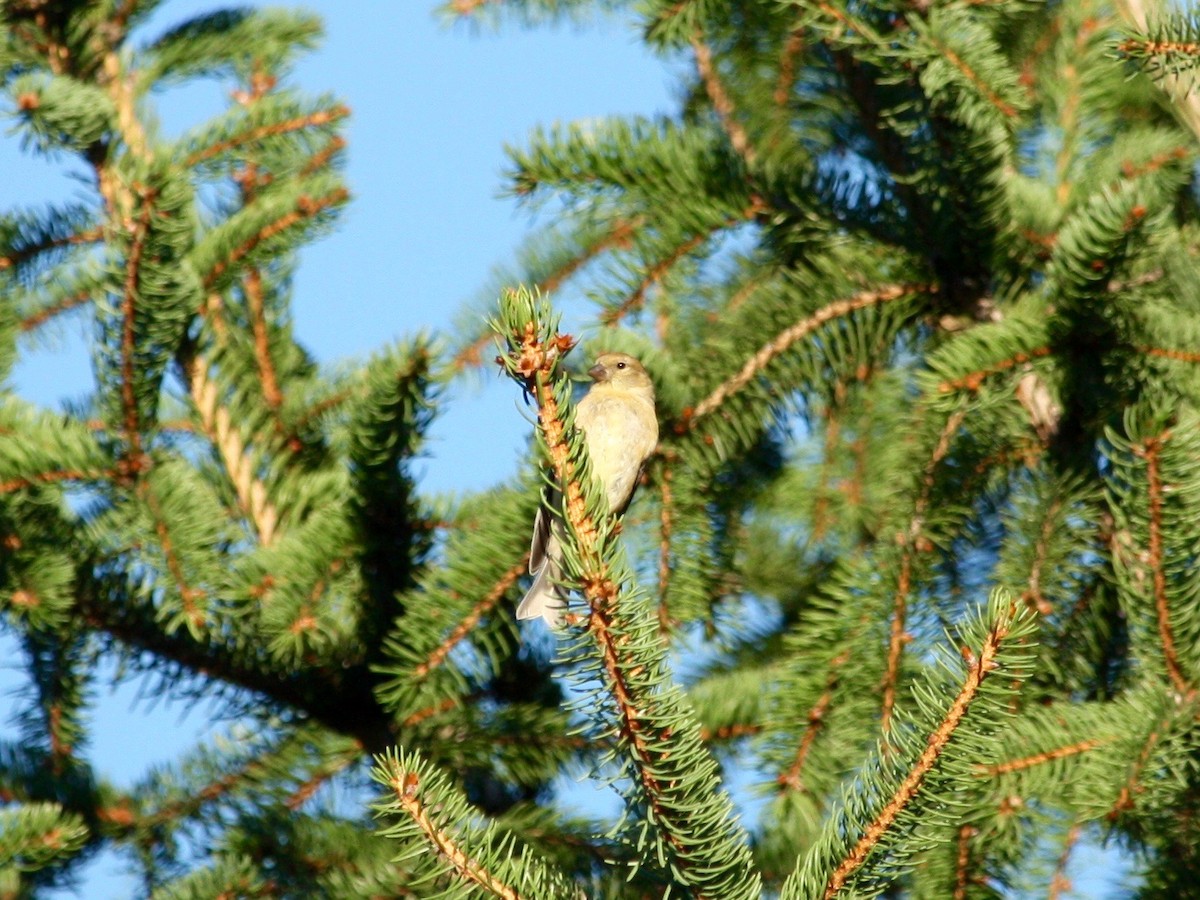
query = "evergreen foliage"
{"x": 917, "y": 554}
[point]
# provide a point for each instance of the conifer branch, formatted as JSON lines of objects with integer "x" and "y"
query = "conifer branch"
{"x": 481, "y": 608}
{"x": 1132, "y": 787}
{"x": 1134, "y": 47}
{"x": 322, "y": 157}
{"x": 347, "y": 712}
{"x": 897, "y": 637}
{"x": 1071, "y": 85}
{"x": 979, "y": 667}
{"x": 1149, "y": 451}
{"x": 791, "y": 779}
{"x": 910, "y": 541}
{"x": 1001, "y": 105}
{"x": 436, "y": 709}
{"x": 121, "y": 90}
{"x": 1166, "y": 55}
{"x": 744, "y": 292}
{"x": 619, "y": 236}
{"x": 973, "y": 381}
{"x": 45, "y": 314}
{"x": 406, "y": 787}
{"x": 306, "y": 208}
{"x": 326, "y": 404}
{"x": 832, "y": 414}
{"x": 655, "y": 274}
{"x": 476, "y": 856}
{"x": 860, "y": 85}
{"x": 789, "y": 336}
{"x": 1180, "y": 154}
{"x": 89, "y": 236}
{"x": 649, "y": 722}
{"x": 821, "y": 503}
{"x": 324, "y": 773}
{"x": 56, "y": 476}
{"x": 731, "y": 732}
{"x": 253, "y": 135}
{"x": 193, "y": 800}
{"x": 467, "y": 8}
{"x": 61, "y": 748}
{"x": 188, "y": 595}
{"x": 1032, "y": 595}
{"x": 721, "y": 101}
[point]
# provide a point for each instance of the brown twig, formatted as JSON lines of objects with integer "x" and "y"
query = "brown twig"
{"x": 973, "y": 381}
{"x": 91, "y": 236}
{"x": 47, "y": 313}
{"x": 188, "y": 595}
{"x": 322, "y": 117}
{"x": 252, "y": 285}
{"x": 1005, "y": 108}
{"x": 619, "y": 236}
{"x": 962, "y": 863}
{"x": 722, "y": 102}
{"x": 477, "y": 612}
{"x": 468, "y": 7}
{"x": 428, "y": 712}
{"x": 1150, "y": 451}
{"x": 912, "y": 544}
{"x": 1188, "y": 356}
{"x": 320, "y": 777}
{"x": 1032, "y": 594}
{"x": 731, "y": 732}
{"x": 637, "y": 299}
{"x": 786, "y": 81}
{"x": 1059, "y": 881}
{"x": 666, "y": 526}
{"x": 1039, "y": 759}
{"x": 52, "y": 477}
{"x": 791, "y": 779}
{"x": 1131, "y": 787}
{"x": 789, "y": 336}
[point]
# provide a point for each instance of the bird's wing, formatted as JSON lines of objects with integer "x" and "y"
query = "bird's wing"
{"x": 541, "y": 537}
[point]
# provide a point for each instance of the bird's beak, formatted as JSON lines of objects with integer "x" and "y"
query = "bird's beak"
{"x": 598, "y": 372}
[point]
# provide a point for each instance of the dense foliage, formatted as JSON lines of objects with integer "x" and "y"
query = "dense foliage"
{"x": 917, "y": 554}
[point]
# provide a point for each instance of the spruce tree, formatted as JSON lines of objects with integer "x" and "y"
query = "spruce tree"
{"x": 916, "y": 555}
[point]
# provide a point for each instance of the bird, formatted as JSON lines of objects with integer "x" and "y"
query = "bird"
{"x": 620, "y": 429}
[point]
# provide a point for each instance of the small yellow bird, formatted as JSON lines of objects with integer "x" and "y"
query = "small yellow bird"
{"x": 621, "y": 431}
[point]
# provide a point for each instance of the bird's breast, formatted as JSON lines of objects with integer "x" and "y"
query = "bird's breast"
{"x": 621, "y": 432}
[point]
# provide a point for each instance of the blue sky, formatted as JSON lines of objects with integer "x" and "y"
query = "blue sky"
{"x": 433, "y": 107}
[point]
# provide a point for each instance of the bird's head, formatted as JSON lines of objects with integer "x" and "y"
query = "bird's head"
{"x": 620, "y": 370}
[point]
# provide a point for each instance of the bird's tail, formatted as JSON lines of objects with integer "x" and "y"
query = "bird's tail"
{"x": 546, "y": 597}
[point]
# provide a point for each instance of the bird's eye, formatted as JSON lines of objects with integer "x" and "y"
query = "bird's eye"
{"x": 620, "y": 365}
